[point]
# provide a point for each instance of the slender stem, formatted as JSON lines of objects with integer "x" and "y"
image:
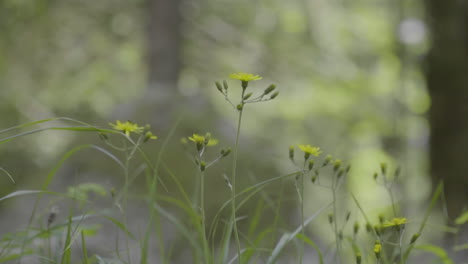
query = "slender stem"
{"x": 301, "y": 254}
{"x": 203, "y": 221}
{"x": 233, "y": 183}
{"x": 335, "y": 211}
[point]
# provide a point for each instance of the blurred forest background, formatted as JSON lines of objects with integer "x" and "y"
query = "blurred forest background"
{"x": 369, "y": 81}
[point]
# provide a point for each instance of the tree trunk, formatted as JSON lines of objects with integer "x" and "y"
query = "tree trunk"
{"x": 447, "y": 81}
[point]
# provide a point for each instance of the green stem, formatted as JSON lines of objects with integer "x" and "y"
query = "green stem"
{"x": 203, "y": 220}
{"x": 337, "y": 238}
{"x": 301, "y": 201}
{"x": 233, "y": 183}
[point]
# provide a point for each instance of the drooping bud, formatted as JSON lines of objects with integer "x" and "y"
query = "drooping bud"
{"x": 274, "y": 95}
{"x": 247, "y": 96}
{"x": 220, "y": 88}
{"x": 225, "y": 152}
{"x": 225, "y": 85}
{"x": 269, "y": 89}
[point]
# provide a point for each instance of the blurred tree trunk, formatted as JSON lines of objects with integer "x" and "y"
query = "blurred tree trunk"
{"x": 163, "y": 57}
{"x": 447, "y": 81}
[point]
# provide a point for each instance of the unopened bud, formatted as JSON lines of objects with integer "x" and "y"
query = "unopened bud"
{"x": 269, "y": 89}
{"x": 330, "y": 218}
{"x": 225, "y": 152}
{"x": 240, "y": 107}
{"x": 220, "y": 88}
{"x": 336, "y": 164}
{"x": 311, "y": 164}
{"x": 274, "y": 95}
{"x": 358, "y": 258}
{"x": 414, "y": 238}
{"x": 348, "y": 215}
{"x": 247, "y": 96}
{"x": 356, "y": 227}
{"x": 291, "y": 152}
{"x": 225, "y": 85}
{"x": 383, "y": 168}
{"x": 327, "y": 160}
{"x": 202, "y": 166}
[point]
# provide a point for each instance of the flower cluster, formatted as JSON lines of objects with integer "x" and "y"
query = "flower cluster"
{"x": 129, "y": 127}
{"x": 246, "y": 98}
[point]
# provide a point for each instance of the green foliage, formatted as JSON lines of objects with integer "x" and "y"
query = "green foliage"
{"x": 210, "y": 238}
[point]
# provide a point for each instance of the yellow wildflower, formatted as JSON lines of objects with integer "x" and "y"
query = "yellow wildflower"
{"x": 395, "y": 222}
{"x": 308, "y": 149}
{"x": 245, "y": 77}
{"x": 127, "y": 127}
{"x": 200, "y": 140}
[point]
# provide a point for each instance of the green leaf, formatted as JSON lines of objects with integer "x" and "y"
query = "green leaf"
{"x": 462, "y": 219}
{"x": 437, "y": 251}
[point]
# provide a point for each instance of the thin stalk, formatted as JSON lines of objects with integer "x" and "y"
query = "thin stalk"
{"x": 233, "y": 183}
{"x": 301, "y": 254}
{"x": 203, "y": 220}
{"x": 335, "y": 226}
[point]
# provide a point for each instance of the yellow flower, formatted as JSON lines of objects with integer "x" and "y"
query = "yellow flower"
{"x": 395, "y": 222}
{"x": 377, "y": 249}
{"x": 149, "y": 135}
{"x": 245, "y": 77}
{"x": 127, "y": 127}
{"x": 309, "y": 150}
{"x": 200, "y": 140}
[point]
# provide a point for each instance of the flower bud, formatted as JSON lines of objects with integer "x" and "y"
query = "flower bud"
{"x": 274, "y": 95}
{"x": 330, "y": 218}
{"x": 336, "y": 164}
{"x": 327, "y": 160}
{"x": 358, "y": 258}
{"x": 103, "y": 136}
{"x": 247, "y": 96}
{"x": 414, "y": 238}
{"x": 311, "y": 164}
{"x": 348, "y": 215}
{"x": 383, "y": 168}
{"x": 269, "y": 89}
{"x": 368, "y": 227}
{"x": 375, "y": 175}
{"x": 377, "y": 249}
{"x": 291, "y": 152}
{"x": 240, "y": 107}
{"x": 313, "y": 178}
{"x": 356, "y": 227}
{"x": 381, "y": 218}
{"x": 202, "y": 166}
{"x": 220, "y": 88}
{"x": 225, "y": 85}
{"x": 225, "y": 152}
